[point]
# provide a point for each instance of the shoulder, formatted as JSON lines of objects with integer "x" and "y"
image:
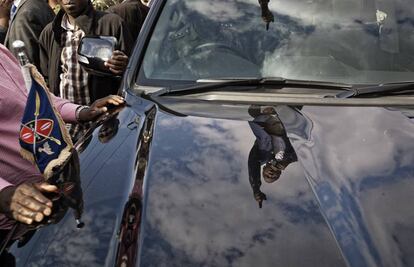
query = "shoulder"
{"x": 127, "y": 9}
{"x": 35, "y": 12}
{"x": 106, "y": 17}
{"x": 46, "y": 34}
{"x": 124, "y": 7}
{"x": 34, "y": 8}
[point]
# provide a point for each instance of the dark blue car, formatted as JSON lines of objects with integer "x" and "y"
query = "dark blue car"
{"x": 256, "y": 133}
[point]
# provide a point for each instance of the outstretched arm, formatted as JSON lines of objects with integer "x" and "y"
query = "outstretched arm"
{"x": 254, "y": 174}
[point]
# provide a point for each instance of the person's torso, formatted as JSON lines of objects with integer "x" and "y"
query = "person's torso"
{"x": 102, "y": 24}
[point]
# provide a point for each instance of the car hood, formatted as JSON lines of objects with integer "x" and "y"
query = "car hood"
{"x": 350, "y": 189}
{"x": 172, "y": 190}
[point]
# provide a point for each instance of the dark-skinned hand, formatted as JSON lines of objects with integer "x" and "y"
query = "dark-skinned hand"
{"x": 117, "y": 63}
{"x": 26, "y": 203}
{"x": 99, "y": 107}
{"x": 260, "y": 197}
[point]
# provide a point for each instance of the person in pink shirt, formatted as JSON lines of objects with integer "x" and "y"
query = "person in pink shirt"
{"x": 21, "y": 184}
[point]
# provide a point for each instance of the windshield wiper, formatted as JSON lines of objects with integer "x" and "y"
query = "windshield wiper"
{"x": 213, "y": 84}
{"x": 380, "y": 89}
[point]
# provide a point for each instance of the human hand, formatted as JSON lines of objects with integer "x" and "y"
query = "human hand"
{"x": 26, "y": 203}
{"x": 99, "y": 107}
{"x": 259, "y": 197}
{"x": 269, "y": 110}
{"x": 117, "y": 63}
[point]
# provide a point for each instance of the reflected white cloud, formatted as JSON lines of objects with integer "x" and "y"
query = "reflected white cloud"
{"x": 65, "y": 245}
{"x": 218, "y": 10}
{"x": 362, "y": 159}
{"x": 203, "y": 190}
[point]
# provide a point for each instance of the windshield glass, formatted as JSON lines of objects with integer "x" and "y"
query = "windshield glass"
{"x": 348, "y": 41}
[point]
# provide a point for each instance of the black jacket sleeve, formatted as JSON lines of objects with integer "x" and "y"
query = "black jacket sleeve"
{"x": 254, "y": 168}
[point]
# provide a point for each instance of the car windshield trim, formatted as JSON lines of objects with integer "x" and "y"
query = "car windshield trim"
{"x": 204, "y": 85}
{"x": 379, "y": 89}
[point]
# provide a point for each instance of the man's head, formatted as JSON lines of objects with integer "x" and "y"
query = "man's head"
{"x": 74, "y": 8}
{"x": 270, "y": 173}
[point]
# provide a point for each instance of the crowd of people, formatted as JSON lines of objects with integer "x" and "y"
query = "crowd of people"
{"x": 52, "y": 31}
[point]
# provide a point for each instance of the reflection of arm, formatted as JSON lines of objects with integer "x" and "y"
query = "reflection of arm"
{"x": 254, "y": 168}
{"x": 263, "y": 138}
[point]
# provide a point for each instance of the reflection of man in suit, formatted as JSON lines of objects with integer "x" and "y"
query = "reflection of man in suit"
{"x": 28, "y": 19}
{"x": 271, "y": 149}
{"x": 267, "y": 16}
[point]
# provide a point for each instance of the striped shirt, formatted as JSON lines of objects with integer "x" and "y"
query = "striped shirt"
{"x": 74, "y": 79}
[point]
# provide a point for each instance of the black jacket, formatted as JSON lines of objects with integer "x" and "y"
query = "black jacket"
{"x": 92, "y": 22}
{"x": 133, "y": 12}
{"x": 31, "y": 18}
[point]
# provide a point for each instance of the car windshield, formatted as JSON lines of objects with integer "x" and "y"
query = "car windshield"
{"x": 347, "y": 41}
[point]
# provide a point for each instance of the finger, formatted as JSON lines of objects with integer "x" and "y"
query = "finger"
{"x": 117, "y": 98}
{"x": 21, "y": 218}
{"x": 118, "y": 53}
{"x": 114, "y": 97}
{"x": 33, "y": 204}
{"x": 119, "y": 57}
{"x": 119, "y": 61}
{"x": 118, "y": 72}
{"x": 30, "y": 191}
{"x": 46, "y": 187}
{"x": 117, "y": 67}
{"x": 273, "y": 168}
{"x": 28, "y": 213}
{"x": 114, "y": 101}
{"x": 99, "y": 111}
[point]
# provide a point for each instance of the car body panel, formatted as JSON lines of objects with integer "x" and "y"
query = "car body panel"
{"x": 186, "y": 179}
{"x": 170, "y": 186}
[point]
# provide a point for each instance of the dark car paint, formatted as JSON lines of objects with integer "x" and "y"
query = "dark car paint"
{"x": 345, "y": 200}
{"x": 360, "y": 164}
